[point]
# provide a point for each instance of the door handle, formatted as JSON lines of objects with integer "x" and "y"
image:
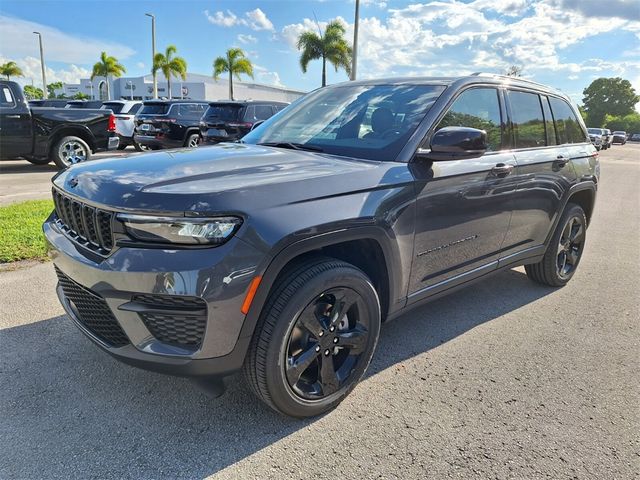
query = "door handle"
{"x": 561, "y": 160}
{"x": 502, "y": 169}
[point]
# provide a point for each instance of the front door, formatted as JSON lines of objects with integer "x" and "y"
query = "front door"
{"x": 463, "y": 207}
{"x": 15, "y": 125}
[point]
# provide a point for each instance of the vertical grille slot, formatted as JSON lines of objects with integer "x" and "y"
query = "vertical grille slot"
{"x": 85, "y": 224}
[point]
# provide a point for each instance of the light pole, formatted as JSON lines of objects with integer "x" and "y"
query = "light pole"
{"x": 44, "y": 78}
{"x": 354, "y": 59}
{"x": 153, "y": 53}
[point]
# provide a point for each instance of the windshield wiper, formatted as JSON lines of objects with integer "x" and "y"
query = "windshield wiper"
{"x": 292, "y": 146}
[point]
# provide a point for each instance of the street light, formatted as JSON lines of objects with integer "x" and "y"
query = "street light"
{"x": 153, "y": 52}
{"x": 44, "y": 78}
{"x": 354, "y": 60}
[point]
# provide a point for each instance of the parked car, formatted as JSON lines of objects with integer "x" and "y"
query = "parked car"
{"x": 41, "y": 135}
{"x": 634, "y": 137}
{"x": 169, "y": 123}
{"x": 595, "y": 135}
{"x": 125, "y": 112}
{"x": 605, "y": 136}
{"x": 88, "y": 104}
{"x": 230, "y": 121}
{"x": 619, "y": 137}
{"x": 49, "y": 102}
{"x": 281, "y": 255}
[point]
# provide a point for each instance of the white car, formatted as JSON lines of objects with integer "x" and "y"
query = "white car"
{"x": 125, "y": 112}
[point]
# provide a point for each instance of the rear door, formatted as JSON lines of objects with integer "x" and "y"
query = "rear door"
{"x": 544, "y": 175}
{"x": 463, "y": 206}
{"x": 15, "y": 125}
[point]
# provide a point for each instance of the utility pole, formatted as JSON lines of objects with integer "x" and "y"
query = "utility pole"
{"x": 44, "y": 77}
{"x": 354, "y": 60}
{"x": 153, "y": 52}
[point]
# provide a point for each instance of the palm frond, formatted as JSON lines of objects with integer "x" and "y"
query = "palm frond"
{"x": 220, "y": 65}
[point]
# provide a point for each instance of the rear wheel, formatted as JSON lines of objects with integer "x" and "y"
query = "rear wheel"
{"x": 122, "y": 146}
{"x": 70, "y": 150}
{"x": 563, "y": 254}
{"x": 315, "y": 338}
{"x": 140, "y": 147}
{"x": 193, "y": 140}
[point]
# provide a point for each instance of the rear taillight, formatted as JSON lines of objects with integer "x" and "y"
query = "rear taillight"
{"x": 112, "y": 123}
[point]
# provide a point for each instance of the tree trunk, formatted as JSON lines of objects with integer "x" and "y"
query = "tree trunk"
{"x": 108, "y": 88}
{"x": 169, "y": 85}
{"x": 230, "y": 85}
{"x": 324, "y": 71}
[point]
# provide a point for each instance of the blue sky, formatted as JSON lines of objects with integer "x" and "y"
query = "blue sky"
{"x": 564, "y": 43}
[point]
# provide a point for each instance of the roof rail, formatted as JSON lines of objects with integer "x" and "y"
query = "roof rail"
{"x": 520, "y": 79}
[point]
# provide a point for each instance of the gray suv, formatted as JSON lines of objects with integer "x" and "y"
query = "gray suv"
{"x": 283, "y": 254}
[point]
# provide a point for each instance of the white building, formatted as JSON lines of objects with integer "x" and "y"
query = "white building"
{"x": 195, "y": 87}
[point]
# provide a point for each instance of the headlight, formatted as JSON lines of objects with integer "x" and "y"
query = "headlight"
{"x": 184, "y": 230}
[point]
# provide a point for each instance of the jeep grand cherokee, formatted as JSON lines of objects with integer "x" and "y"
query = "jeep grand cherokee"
{"x": 282, "y": 255}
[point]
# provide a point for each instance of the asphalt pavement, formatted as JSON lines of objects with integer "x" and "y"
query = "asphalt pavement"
{"x": 506, "y": 379}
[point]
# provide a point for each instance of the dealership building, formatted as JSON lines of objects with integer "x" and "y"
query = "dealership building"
{"x": 195, "y": 87}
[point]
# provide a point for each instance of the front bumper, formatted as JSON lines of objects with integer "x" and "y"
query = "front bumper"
{"x": 218, "y": 276}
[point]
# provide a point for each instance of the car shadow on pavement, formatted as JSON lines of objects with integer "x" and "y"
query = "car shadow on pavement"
{"x": 69, "y": 410}
{"x": 26, "y": 167}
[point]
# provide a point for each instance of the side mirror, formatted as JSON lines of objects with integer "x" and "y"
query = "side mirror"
{"x": 257, "y": 124}
{"x": 455, "y": 143}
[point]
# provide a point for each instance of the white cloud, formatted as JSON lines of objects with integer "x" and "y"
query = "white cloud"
{"x": 264, "y": 75}
{"x": 18, "y": 41}
{"x": 257, "y": 20}
{"x": 247, "y": 39}
{"x": 140, "y": 65}
{"x": 31, "y": 68}
{"x": 254, "y": 19}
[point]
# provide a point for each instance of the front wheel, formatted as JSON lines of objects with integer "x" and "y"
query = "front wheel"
{"x": 565, "y": 249}
{"x": 315, "y": 338}
{"x": 70, "y": 150}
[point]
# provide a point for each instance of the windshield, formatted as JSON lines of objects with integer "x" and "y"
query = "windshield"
{"x": 223, "y": 112}
{"x": 114, "y": 107}
{"x": 365, "y": 121}
{"x": 154, "y": 109}
{"x": 594, "y": 130}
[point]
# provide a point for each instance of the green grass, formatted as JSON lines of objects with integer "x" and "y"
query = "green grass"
{"x": 21, "y": 236}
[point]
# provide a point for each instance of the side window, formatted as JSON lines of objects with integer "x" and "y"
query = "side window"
{"x": 567, "y": 124}
{"x": 249, "y": 114}
{"x": 548, "y": 122}
{"x": 528, "y": 122}
{"x": 477, "y": 108}
{"x": 6, "y": 99}
{"x": 262, "y": 112}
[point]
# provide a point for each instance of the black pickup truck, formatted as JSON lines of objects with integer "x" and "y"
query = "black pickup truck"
{"x": 40, "y": 134}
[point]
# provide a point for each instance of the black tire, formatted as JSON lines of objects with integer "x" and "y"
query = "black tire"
{"x": 70, "y": 150}
{"x": 309, "y": 287}
{"x": 567, "y": 243}
{"x": 192, "y": 141}
{"x": 37, "y": 160}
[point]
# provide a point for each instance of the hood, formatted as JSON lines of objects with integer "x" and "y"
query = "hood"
{"x": 222, "y": 178}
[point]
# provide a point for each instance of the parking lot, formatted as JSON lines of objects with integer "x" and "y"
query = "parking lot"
{"x": 506, "y": 379}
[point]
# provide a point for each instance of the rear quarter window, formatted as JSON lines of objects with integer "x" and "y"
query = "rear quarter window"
{"x": 6, "y": 98}
{"x": 567, "y": 124}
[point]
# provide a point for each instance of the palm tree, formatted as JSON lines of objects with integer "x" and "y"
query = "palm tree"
{"x": 107, "y": 67}
{"x": 330, "y": 46}
{"x": 11, "y": 69}
{"x": 235, "y": 63}
{"x": 170, "y": 65}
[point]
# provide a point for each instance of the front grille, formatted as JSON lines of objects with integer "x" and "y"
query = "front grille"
{"x": 88, "y": 225}
{"x": 93, "y": 312}
{"x": 173, "y": 319}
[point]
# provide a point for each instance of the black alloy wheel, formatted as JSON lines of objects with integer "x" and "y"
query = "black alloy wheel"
{"x": 326, "y": 343}
{"x": 570, "y": 246}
